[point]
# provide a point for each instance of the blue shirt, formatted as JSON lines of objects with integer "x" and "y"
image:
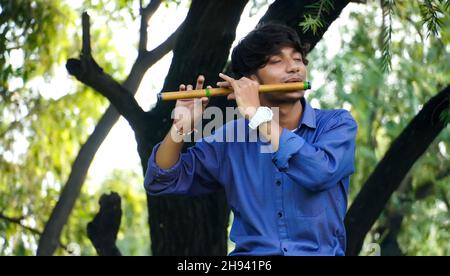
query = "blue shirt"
{"x": 289, "y": 202}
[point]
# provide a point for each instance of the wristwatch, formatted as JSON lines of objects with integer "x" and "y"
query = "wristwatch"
{"x": 263, "y": 114}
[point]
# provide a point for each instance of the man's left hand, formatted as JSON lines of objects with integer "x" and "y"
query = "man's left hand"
{"x": 245, "y": 92}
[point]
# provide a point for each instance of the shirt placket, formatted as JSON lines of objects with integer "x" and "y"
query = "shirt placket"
{"x": 280, "y": 210}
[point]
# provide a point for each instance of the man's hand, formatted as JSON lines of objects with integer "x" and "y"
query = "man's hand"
{"x": 245, "y": 92}
{"x": 188, "y": 112}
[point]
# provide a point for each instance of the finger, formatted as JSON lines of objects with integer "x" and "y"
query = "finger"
{"x": 182, "y": 88}
{"x": 233, "y": 82}
{"x": 223, "y": 84}
{"x": 227, "y": 78}
{"x": 205, "y": 101}
{"x": 200, "y": 81}
{"x": 189, "y": 87}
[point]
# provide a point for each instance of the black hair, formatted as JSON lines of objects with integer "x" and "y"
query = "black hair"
{"x": 266, "y": 40}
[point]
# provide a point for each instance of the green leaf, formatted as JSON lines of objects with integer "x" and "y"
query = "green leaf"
{"x": 313, "y": 19}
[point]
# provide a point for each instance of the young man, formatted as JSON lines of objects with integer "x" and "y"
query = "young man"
{"x": 291, "y": 201}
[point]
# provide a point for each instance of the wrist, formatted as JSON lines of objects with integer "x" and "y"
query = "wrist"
{"x": 182, "y": 131}
{"x": 251, "y": 111}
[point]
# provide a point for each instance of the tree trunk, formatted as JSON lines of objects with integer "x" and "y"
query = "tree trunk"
{"x": 185, "y": 225}
{"x": 103, "y": 229}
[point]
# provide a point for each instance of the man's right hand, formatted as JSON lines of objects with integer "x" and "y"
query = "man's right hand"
{"x": 187, "y": 113}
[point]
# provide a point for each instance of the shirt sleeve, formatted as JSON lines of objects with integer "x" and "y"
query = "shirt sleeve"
{"x": 320, "y": 165}
{"x": 196, "y": 172}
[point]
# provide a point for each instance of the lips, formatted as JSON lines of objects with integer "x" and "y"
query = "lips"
{"x": 293, "y": 80}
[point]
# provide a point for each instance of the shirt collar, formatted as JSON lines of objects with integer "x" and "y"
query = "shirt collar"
{"x": 309, "y": 114}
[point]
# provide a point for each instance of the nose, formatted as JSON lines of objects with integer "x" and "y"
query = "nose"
{"x": 293, "y": 66}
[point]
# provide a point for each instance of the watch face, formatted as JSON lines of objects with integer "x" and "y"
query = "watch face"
{"x": 263, "y": 114}
{"x": 267, "y": 112}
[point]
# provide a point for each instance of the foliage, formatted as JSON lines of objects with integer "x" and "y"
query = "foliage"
{"x": 387, "y": 7}
{"x": 383, "y": 103}
{"x": 431, "y": 11}
{"x": 42, "y": 126}
{"x": 313, "y": 19}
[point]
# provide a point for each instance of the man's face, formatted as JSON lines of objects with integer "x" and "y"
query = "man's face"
{"x": 285, "y": 67}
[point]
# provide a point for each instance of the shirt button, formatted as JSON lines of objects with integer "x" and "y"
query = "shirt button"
{"x": 285, "y": 249}
{"x": 278, "y": 182}
{"x": 280, "y": 214}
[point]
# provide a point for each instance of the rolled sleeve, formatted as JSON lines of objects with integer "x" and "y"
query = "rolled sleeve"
{"x": 196, "y": 172}
{"x": 322, "y": 164}
{"x": 290, "y": 144}
{"x": 160, "y": 178}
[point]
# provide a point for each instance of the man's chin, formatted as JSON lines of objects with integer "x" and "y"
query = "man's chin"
{"x": 287, "y": 96}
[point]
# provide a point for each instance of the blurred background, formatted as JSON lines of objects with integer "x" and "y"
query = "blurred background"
{"x": 381, "y": 60}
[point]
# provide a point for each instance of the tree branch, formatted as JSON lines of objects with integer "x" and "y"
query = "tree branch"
{"x": 87, "y": 71}
{"x": 146, "y": 14}
{"x": 86, "y": 46}
{"x": 147, "y": 58}
{"x": 390, "y": 171}
{"x": 18, "y": 221}
{"x": 60, "y": 213}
